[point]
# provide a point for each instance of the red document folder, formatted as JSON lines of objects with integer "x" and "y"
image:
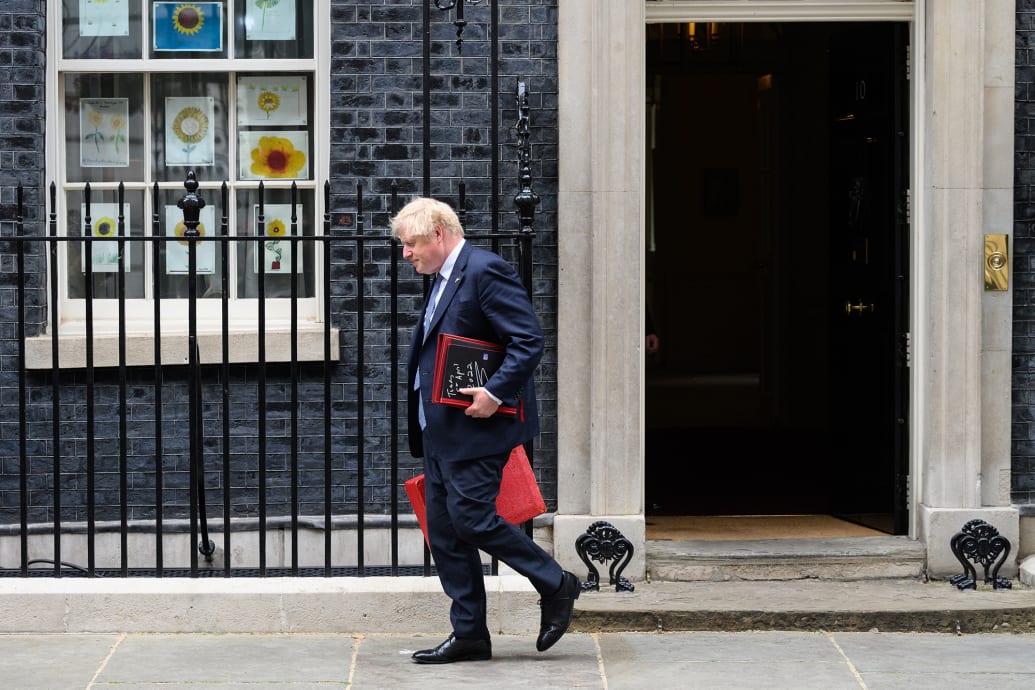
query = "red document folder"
{"x": 464, "y": 363}
{"x": 519, "y": 499}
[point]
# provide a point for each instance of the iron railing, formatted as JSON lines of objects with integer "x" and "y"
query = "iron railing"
{"x": 133, "y": 476}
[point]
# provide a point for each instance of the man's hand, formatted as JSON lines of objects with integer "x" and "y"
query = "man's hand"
{"x": 483, "y": 406}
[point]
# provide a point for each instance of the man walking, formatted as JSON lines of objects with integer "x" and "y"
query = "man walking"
{"x": 475, "y": 294}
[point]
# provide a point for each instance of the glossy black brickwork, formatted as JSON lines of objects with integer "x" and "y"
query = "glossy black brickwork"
{"x": 22, "y": 144}
{"x": 1022, "y": 447}
{"x": 22, "y": 120}
{"x": 376, "y": 139}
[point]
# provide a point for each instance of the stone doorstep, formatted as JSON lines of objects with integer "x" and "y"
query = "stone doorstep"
{"x": 901, "y": 605}
{"x": 850, "y": 558}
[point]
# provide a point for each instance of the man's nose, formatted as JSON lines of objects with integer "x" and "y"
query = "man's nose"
{"x": 406, "y": 252}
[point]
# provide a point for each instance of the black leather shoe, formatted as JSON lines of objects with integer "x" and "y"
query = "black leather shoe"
{"x": 455, "y": 649}
{"x": 557, "y": 611}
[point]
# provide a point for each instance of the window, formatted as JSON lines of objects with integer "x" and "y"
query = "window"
{"x": 144, "y": 91}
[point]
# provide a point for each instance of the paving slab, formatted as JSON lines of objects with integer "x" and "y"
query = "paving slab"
{"x": 945, "y": 681}
{"x": 52, "y": 661}
{"x": 223, "y": 660}
{"x": 383, "y": 662}
{"x": 725, "y": 660}
{"x": 959, "y": 654}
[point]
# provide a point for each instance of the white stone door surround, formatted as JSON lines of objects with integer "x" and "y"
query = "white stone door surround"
{"x": 962, "y": 181}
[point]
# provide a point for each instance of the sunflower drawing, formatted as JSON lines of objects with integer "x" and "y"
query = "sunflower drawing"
{"x": 276, "y": 229}
{"x": 274, "y": 252}
{"x": 117, "y": 123}
{"x": 95, "y": 118}
{"x": 268, "y": 102}
{"x": 181, "y": 228}
{"x": 104, "y": 227}
{"x": 277, "y": 157}
{"x": 188, "y": 19}
{"x": 190, "y": 126}
{"x": 265, "y": 5}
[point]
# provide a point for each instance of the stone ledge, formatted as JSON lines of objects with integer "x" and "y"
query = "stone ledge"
{"x": 808, "y": 605}
{"x": 374, "y": 604}
{"x": 852, "y": 558}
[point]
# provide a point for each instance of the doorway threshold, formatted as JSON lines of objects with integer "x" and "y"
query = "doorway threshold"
{"x": 753, "y": 527}
{"x": 775, "y": 547}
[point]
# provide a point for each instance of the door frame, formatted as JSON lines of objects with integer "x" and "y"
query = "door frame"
{"x": 961, "y": 180}
{"x": 601, "y": 226}
{"x": 908, "y": 13}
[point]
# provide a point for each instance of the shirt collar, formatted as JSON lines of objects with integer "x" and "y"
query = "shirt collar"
{"x": 447, "y": 265}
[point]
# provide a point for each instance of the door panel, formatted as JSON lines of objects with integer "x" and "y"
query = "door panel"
{"x": 868, "y": 231}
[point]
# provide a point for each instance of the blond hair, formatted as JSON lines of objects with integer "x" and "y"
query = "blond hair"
{"x": 420, "y": 217}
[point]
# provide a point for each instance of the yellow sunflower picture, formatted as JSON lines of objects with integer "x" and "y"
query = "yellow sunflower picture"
{"x": 187, "y": 26}
{"x": 276, "y": 157}
{"x": 277, "y": 228}
{"x": 104, "y": 227}
{"x": 188, "y": 137}
{"x": 117, "y": 124}
{"x": 181, "y": 228}
{"x": 95, "y": 118}
{"x": 177, "y": 253}
{"x": 190, "y": 125}
{"x": 268, "y": 102}
{"x": 104, "y": 250}
{"x": 188, "y": 19}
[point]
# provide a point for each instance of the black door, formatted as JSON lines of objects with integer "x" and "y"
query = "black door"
{"x": 869, "y": 249}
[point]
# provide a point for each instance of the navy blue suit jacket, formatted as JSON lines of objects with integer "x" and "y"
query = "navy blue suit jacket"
{"x": 483, "y": 299}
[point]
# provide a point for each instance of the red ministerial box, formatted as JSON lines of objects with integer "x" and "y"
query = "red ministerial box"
{"x": 519, "y": 499}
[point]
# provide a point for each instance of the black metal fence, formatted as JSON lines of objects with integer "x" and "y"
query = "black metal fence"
{"x": 187, "y": 467}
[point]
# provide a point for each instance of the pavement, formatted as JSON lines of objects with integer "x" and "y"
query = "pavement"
{"x": 797, "y": 634}
{"x": 609, "y": 661}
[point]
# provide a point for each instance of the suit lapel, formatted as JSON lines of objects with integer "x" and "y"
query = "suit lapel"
{"x": 455, "y": 280}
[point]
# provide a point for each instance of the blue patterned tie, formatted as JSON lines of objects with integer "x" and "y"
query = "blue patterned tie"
{"x": 432, "y": 303}
{"x": 428, "y": 314}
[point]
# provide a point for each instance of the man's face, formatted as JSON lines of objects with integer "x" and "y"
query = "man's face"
{"x": 426, "y": 254}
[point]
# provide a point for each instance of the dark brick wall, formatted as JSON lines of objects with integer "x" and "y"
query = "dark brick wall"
{"x": 376, "y": 139}
{"x": 1023, "y": 438}
{"x": 22, "y": 127}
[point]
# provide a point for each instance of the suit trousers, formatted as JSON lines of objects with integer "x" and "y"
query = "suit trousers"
{"x": 460, "y": 497}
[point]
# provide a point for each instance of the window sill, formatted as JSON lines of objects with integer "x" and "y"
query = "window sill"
{"x": 140, "y": 348}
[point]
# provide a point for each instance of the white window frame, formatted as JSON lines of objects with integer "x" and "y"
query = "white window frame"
{"x": 139, "y": 327}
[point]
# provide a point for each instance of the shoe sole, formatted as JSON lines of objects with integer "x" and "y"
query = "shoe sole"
{"x": 450, "y": 661}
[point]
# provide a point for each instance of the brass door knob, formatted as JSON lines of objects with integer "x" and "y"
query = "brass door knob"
{"x": 857, "y": 308}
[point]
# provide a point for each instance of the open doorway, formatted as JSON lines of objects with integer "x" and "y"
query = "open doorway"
{"x": 776, "y": 254}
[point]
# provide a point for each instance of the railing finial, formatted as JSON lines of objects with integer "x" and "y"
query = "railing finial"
{"x": 191, "y": 204}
